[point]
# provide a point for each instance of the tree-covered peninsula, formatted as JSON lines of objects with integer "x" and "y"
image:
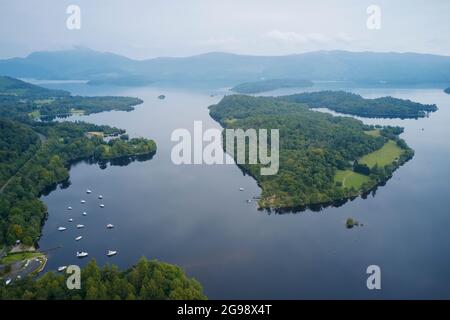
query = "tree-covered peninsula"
{"x": 36, "y": 155}
{"x": 147, "y": 280}
{"x": 354, "y": 104}
{"x": 322, "y": 158}
{"x": 37, "y": 102}
{"x": 270, "y": 84}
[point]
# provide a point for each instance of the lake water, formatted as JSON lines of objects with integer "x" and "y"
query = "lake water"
{"x": 196, "y": 217}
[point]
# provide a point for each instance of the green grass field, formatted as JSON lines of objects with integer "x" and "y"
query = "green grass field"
{"x": 386, "y": 155}
{"x": 373, "y": 133}
{"x": 230, "y": 121}
{"x": 43, "y": 101}
{"x": 349, "y": 179}
{"x": 35, "y": 114}
{"x": 14, "y": 257}
{"x": 76, "y": 111}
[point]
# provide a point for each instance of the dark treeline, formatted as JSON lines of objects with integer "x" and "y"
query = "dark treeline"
{"x": 87, "y": 105}
{"x": 24, "y": 90}
{"x": 270, "y": 84}
{"x": 17, "y": 144}
{"x": 313, "y": 146}
{"x": 148, "y": 280}
{"x": 350, "y": 103}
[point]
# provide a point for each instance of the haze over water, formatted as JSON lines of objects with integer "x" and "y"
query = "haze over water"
{"x": 196, "y": 217}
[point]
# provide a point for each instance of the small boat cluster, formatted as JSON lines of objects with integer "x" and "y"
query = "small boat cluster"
{"x": 83, "y": 254}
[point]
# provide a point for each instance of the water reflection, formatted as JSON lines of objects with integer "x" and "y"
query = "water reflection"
{"x": 195, "y": 215}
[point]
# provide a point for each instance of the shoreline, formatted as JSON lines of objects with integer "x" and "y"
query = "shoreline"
{"x": 332, "y": 203}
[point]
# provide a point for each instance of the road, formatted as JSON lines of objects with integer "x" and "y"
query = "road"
{"x": 3, "y": 252}
{"x": 22, "y": 269}
{"x": 32, "y": 266}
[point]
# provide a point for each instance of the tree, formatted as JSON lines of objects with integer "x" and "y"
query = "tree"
{"x": 361, "y": 168}
{"x": 157, "y": 281}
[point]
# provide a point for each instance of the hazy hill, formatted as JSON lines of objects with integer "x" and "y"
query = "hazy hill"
{"x": 78, "y": 63}
{"x": 15, "y": 87}
{"x": 231, "y": 69}
{"x": 271, "y": 84}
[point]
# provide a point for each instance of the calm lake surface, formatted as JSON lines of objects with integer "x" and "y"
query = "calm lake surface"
{"x": 196, "y": 217}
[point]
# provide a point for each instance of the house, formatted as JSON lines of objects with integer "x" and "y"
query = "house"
{"x": 92, "y": 134}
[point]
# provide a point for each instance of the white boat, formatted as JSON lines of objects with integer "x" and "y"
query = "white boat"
{"x": 8, "y": 281}
{"x": 83, "y": 201}
{"x": 100, "y": 197}
{"x": 88, "y": 191}
{"x": 241, "y": 189}
{"x": 79, "y": 226}
{"x": 62, "y": 268}
{"x": 102, "y": 205}
{"x": 61, "y": 228}
{"x": 69, "y": 208}
{"x": 249, "y": 201}
{"x": 82, "y": 254}
{"x": 109, "y": 226}
{"x": 78, "y": 238}
{"x": 111, "y": 253}
{"x": 84, "y": 213}
{"x": 70, "y": 220}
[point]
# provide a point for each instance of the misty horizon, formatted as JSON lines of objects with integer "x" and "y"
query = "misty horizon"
{"x": 83, "y": 48}
{"x": 262, "y": 28}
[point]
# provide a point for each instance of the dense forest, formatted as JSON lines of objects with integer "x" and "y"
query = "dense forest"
{"x": 17, "y": 143}
{"x": 148, "y": 280}
{"x": 271, "y": 84}
{"x": 35, "y": 155}
{"x": 86, "y": 105}
{"x": 313, "y": 147}
{"x": 15, "y": 87}
{"x": 38, "y": 102}
{"x": 350, "y": 103}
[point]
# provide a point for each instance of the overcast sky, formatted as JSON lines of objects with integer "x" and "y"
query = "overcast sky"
{"x": 150, "y": 28}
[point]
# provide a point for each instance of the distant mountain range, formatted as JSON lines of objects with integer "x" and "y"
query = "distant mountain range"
{"x": 231, "y": 69}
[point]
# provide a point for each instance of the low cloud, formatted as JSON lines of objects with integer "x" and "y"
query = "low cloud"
{"x": 226, "y": 41}
{"x": 290, "y": 37}
{"x": 344, "y": 37}
{"x": 295, "y": 38}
